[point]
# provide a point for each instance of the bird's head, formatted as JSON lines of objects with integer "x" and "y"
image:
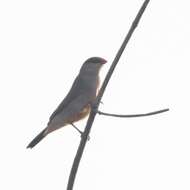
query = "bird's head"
{"x": 93, "y": 64}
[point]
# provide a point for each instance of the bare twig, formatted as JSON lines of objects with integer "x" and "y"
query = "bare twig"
{"x": 98, "y": 99}
{"x": 133, "y": 115}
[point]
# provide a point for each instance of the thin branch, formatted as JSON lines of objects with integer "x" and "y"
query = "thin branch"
{"x": 122, "y": 48}
{"x": 133, "y": 115}
{"x": 98, "y": 99}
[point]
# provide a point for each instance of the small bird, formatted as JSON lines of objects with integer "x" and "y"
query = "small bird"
{"x": 76, "y": 105}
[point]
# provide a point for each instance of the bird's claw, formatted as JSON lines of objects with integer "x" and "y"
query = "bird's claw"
{"x": 101, "y": 102}
{"x": 88, "y": 138}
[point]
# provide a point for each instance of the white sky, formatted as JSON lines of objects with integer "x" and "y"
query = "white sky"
{"x": 42, "y": 46}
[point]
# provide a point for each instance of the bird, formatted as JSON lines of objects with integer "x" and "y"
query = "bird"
{"x": 77, "y": 103}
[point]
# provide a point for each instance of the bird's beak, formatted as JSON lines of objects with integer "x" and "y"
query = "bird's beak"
{"x": 103, "y": 61}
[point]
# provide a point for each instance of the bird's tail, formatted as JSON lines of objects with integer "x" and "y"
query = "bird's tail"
{"x": 37, "y": 139}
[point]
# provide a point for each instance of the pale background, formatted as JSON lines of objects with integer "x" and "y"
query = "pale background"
{"x": 42, "y": 46}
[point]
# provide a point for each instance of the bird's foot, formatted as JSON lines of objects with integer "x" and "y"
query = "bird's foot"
{"x": 88, "y": 138}
{"x": 101, "y": 102}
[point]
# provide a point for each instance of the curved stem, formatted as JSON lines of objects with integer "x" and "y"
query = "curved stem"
{"x": 133, "y": 115}
{"x": 98, "y": 99}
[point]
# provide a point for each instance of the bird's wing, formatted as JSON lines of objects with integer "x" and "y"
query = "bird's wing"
{"x": 75, "y": 106}
{"x": 69, "y": 113}
{"x": 73, "y": 93}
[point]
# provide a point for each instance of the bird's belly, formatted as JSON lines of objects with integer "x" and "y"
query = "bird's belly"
{"x": 81, "y": 115}
{"x": 59, "y": 122}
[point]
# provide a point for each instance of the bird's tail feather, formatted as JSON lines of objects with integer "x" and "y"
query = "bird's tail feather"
{"x": 37, "y": 139}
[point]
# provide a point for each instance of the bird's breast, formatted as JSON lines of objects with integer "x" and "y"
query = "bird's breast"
{"x": 82, "y": 114}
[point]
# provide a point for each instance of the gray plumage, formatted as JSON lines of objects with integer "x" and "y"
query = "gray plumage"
{"x": 76, "y": 105}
